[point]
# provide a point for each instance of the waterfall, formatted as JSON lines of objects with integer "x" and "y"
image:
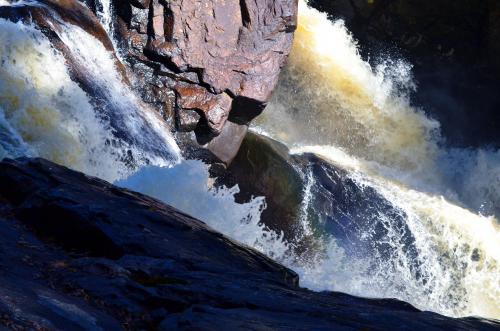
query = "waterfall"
{"x": 359, "y": 118}
{"x": 329, "y": 102}
{"x": 44, "y": 113}
{"x": 105, "y": 15}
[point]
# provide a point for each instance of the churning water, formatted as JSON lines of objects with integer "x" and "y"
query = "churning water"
{"x": 43, "y": 112}
{"x": 333, "y": 103}
{"x": 329, "y": 102}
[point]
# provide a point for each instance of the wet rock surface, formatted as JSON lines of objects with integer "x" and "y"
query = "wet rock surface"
{"x": 454, "y": 48}
{"x": 199, "y": 64}
{"x": 263, "y": 167}
{"x": 78, "y": 253}
{"x": 306, "y": 187}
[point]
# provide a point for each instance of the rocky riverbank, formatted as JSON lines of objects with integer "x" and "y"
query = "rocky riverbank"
{"x": 110, "y": 88}
{"x": 78, "y": 253}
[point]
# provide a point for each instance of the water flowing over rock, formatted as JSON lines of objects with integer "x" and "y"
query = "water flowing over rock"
{"x": 358, "y": 195}
{"x": 359, "y": 117}
{"x": 62, "y": 79}
{"x": 80, "y": 253}
{"x": 199, "y": 64}
{"x": 42, "y": 14}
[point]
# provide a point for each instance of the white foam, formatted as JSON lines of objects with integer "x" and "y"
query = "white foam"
{"x": 47, "y": 114}
{"x": 333, "y": 103}
{"x": 187, "y": 187}
{"x": 449, "y": 279}
{"x": 43, "y": 109}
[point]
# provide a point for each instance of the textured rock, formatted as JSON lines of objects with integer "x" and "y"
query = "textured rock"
{"x": 202, "y": 63}
{"x": 219, "y": 57}
{"x": 196, "y": 98}
{"x": 78, "y": 253}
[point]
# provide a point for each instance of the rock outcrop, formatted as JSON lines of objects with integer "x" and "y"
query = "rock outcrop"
{"x": 78, "y": 253}
{"x": 206, "y": 61}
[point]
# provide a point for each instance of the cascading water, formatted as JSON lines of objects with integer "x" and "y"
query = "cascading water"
{"x": 105, "y": 15}
{"x": 332, "y": 103}
{"x": 44, "y": 113}
{"x": 439, "y": 252}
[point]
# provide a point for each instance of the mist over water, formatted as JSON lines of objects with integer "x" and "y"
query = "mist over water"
{"x": 329, "y": 96}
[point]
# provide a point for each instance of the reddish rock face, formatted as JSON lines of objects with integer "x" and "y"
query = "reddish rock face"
{"x": 219, "y": 57}
{"x": 46, "y": 15}
{"x": 213, "y": 106}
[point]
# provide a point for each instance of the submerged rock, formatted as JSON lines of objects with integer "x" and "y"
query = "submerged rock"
{"x": 78, "y": 253}
{"x": 263, "y": 167}
{"x": 308, "y": 198}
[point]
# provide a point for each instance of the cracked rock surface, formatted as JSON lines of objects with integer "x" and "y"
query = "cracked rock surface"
{"x": 219, "y": 59}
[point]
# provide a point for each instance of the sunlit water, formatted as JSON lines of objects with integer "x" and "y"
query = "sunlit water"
{"x": 329, "y": 102}
{"x": 333, "y": 103}
{"x": 44, "y": 113}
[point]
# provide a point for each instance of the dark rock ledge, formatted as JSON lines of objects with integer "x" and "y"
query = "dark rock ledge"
{"x": 80, "y": 254}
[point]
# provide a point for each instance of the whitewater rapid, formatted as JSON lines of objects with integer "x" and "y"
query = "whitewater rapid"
{"x": 43, "y": 112}
{"x": 332, "y": 103}
{"x": 329, "y": 102}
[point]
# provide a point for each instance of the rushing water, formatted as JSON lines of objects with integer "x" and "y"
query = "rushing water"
{"x": 330, "y": 102}
{"x": 44, "y": 113}
{"x": 333, "y": 103}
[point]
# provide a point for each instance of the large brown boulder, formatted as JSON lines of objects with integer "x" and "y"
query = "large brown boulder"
{"x": 204, "y": 62}
{"x": 199, "y": 64}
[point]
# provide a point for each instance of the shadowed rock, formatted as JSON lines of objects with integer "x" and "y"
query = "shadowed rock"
{"x": 78, "y": 253}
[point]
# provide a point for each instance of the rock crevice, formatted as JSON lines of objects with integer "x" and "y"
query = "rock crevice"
{"x": 216, "y": 57}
